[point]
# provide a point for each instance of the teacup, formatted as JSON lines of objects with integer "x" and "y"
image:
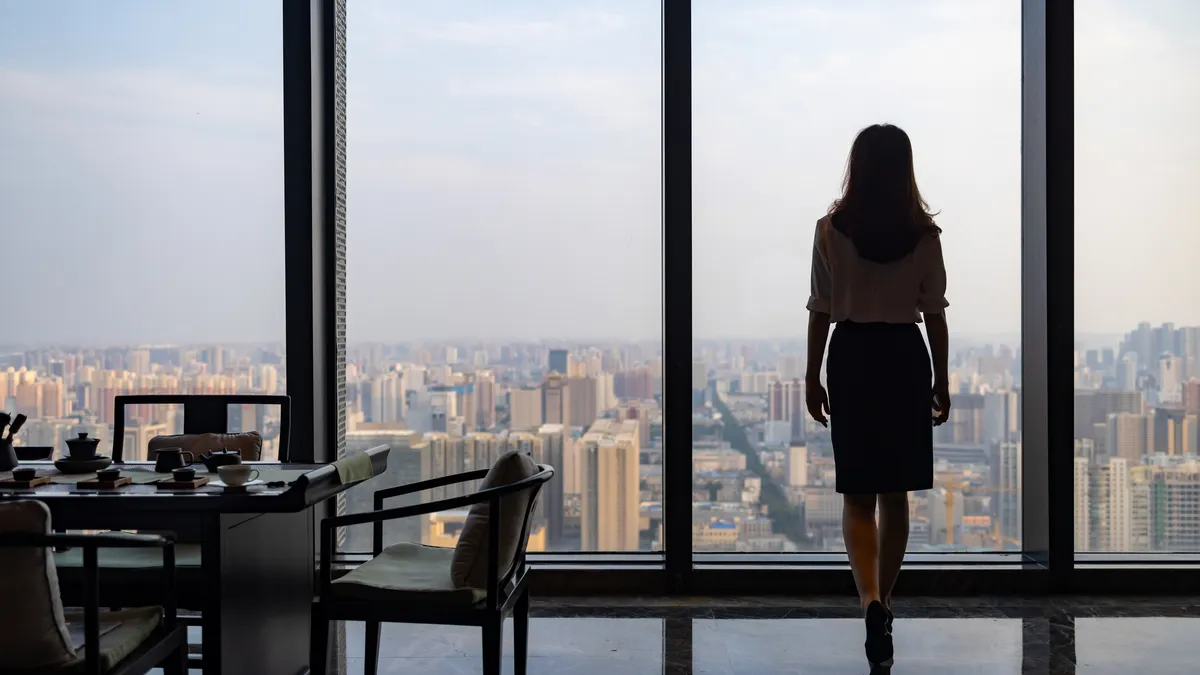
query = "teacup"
{"x": 24, "y": 474}
{"x": 108, "y": 475}
{"x": 184, "y": 474}
{"x": 237, "y": 475}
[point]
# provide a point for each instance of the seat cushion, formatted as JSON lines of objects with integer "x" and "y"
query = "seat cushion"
{"x": 121, "y": 632}
{"x": 33, "y": 633}
{"x": 186, "y": 555}
{"x": 469, "y": 567}
{"x": 406, "y": 573}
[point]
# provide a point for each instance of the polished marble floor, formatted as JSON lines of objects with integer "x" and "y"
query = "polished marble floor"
{"x": 817, "y": 636}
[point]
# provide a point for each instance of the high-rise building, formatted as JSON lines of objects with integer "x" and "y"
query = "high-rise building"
{"x": 524, "y": 408}
{"x": 1127, "y": 371}
{"x": 485, "y": 400}
{"x": 785, "y": 403}
{"x": 1170, "y": 379}
{"x": 1008, "y": 497}
{"x": 609, "y": 476}
{"x": 558, "y": 361}
{"x": 1094, "y": 406}
{"x": 1083, "y": 508}
{"x": 550, "y": 451}
{"x": 1176, "y": 508}
{"x": 1130, "y": 436}
{"x": 556, "y": 400}
{"x": 139, "y": 361}
{"x": 584, "y": 405}
{"x": 1111, "y": 506}
{"x": 797, "y": 466}
{"x": 1000, "y": 410}
{"x": 1173, "y": 431}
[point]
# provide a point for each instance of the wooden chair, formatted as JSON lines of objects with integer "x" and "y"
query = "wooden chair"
{"x": 410, "y": 583}
{"x": 202, "y": 414}
{"x": 134, "y": 641}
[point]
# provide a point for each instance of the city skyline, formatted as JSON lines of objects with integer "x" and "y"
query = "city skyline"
{"x": 763, "y": 473}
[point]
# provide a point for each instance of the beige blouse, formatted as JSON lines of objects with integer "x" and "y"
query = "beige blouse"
{"x": 850, "y": 288}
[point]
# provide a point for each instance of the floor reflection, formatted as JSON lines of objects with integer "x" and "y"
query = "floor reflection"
{"x": 815, "y": 636}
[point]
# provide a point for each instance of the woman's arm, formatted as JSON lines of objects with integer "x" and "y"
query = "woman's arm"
{"x": 818, "y": 335}
{"x": 939, "y": 346}
{"x": 815, "y": 397}
{"x": 819, "y": 306}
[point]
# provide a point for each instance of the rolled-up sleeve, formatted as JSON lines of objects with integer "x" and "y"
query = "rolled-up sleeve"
{"x": 932, "y": 297}
{"x": 819, "y": 298}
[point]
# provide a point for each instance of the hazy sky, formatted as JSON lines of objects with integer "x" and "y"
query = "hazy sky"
{"x": 505, "y": 161}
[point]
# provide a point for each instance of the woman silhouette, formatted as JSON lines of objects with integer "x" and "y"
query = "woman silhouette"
{"x": 876, "y": 270}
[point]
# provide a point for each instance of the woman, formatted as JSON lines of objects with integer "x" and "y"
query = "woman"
{"x": 877, "y": 269}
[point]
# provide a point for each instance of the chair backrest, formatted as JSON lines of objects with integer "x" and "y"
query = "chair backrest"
{"x": 508, "y": 495}
{"x": 537, "y": 481}
{"x": 35, "y": 633}
{"x": 204, "y": 413}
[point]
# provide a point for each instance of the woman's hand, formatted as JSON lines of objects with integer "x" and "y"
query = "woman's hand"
{"x": 941, "y": 403}
{"x": 817, "y": 401}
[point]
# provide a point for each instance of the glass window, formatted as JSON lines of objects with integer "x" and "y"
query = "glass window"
{"x": 142, "y": 184}
{"x": 1137, "y": 322}
{"x": 504, "y": 258}
{"x": 780, "y": 90}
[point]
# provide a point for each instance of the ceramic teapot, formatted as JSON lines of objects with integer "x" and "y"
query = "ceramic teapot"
{"x": 81, "y": 447}
{"x": 215, "y": 460}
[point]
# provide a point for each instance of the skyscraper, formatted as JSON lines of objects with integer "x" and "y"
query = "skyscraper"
{"x": 584, "y": 405}
{"x": 1083, "y": 508}
{"x": 797, "y": 466}
{"x": 1130, "y": 436}
{"x": 485, "y": 400}
{"x": 550, "y": 451}
{"x": 1008, "y": 498}
{"x": 556, "y": 400}
{"x": 558, "y": 361}
{"x": 524, "y": 408}
{"x": 1111, "y": 506}
{"x": 785, "y": 403}
{"x": 609, "y": 476}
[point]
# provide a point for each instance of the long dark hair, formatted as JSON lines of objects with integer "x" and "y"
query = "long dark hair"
{"x": 881, "y": 210}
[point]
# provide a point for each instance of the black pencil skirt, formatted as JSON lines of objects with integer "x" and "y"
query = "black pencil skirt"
{"x": 880, "y": 385}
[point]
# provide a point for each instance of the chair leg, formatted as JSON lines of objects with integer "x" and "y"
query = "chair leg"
{"x": 177, "y": 662}
{"x": 319, "y": 647}
{"x": 372, "y": 652}
{"x": 521, "y": 634}
{"x": 493, "y": 645}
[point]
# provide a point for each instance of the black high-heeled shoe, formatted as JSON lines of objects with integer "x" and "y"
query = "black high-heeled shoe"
{"x": 879, "y": 635}
{"x": 891, "y": 619}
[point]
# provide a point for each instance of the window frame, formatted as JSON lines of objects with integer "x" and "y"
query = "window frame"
{"x": 314, "y": 49}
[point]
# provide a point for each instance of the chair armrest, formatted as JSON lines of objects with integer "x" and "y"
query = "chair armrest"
{"x": 85, "y": 541}
{"x": 404, "y": 511}
{"x": 421, "y": 486}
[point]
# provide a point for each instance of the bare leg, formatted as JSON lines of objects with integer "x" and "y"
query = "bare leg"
{"x": 862, "y": 544}
{"x": 893, "y": 540}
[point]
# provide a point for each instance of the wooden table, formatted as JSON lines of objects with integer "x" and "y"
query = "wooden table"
{"x": 257, "y": 553}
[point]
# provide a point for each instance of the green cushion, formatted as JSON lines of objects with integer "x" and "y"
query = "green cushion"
{"x": 407, "y": 573}
{"x": 186, "y": 555}
{"x": 121, "y": 633}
